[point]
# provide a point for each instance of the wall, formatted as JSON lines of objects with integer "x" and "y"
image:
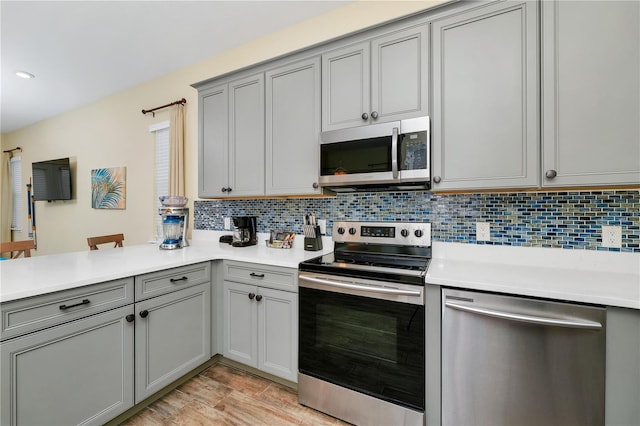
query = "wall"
{"x": 569, "y": 220}
{"x": 112, "y": 132}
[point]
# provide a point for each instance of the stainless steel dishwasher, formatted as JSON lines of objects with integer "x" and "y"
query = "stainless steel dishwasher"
{"x": 518, "y": 361}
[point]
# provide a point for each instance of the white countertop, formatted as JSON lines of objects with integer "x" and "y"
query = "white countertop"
{"x": 588, "y": 276}
{"x": 26, "y": 277}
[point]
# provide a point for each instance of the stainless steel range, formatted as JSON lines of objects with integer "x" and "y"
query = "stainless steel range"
{"x": 361, "y": 350}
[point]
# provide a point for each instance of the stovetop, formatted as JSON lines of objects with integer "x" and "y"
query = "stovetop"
{"x": 387, "y": 251}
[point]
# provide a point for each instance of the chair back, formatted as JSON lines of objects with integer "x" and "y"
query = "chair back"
{"x": 102, "y": 239}
{"x": 18, "y": 248}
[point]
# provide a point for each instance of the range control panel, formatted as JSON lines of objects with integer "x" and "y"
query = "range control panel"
{"x": 399, "y": 233}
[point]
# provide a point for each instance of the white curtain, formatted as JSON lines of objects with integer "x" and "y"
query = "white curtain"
{"x": 6, "y": 202}
{"x": 176, "y": 151}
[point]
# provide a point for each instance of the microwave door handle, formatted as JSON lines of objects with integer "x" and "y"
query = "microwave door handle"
{"x": 394, "y": 152}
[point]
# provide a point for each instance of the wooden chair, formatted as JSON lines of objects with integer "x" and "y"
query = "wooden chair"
{"x": 102, "y": 239}
{"x": 19, "y": 247}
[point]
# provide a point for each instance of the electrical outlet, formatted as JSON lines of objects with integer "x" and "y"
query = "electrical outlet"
{"x": 322, "y": 223}
{"x": 611, "y": 236}
{"x": 227, "y": 223}
{"x": 483, "y": 231}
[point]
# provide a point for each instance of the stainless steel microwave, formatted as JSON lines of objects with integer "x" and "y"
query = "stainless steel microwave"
{"x": 386, "y": 156}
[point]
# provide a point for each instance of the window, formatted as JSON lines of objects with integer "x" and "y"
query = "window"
{"x": 15, "y": 166}
{"x": 161, "y": 131}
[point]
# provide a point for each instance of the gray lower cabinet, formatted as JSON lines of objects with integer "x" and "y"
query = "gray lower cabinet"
{"x": 292, "y": 128}
{"x": 379, "y": 80}
{"x": 231, "y": 138}
{"x": 485, "y": 98}
{"x": 260, "y": 328}
{"x": 591, "y": 92}
{"x": 623, "y": 367}
{"x": 80, "y": 372}
{"x": 173, "y": 336}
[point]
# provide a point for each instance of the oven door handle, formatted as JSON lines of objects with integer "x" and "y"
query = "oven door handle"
{"x": 352, "y": 286}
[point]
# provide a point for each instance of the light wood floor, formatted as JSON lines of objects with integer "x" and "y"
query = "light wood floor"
{"x": 223, "y": 395}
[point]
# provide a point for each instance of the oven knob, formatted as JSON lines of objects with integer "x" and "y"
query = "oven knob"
{"x": 418, "y": 233}
{"x": 352, "y": 231}
{"x": 404, "y": 233}
{"x": 341, "y": 230}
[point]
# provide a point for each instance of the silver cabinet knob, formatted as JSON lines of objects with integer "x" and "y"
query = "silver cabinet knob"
{"x": 365, "y": 116}
{"x": 223, "y": 189}
{"x": 550, "y": 174}
{"x": 315, "y": 185}
{"x": 437, "y": 179}
{"x": 374, "y": 114}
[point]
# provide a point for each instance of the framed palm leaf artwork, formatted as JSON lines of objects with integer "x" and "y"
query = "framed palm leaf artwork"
{"x": 108, "y": 188}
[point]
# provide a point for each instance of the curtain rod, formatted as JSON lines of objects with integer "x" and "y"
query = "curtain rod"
{"x": 17, "y": 148}
{"x": 180, "y": 102}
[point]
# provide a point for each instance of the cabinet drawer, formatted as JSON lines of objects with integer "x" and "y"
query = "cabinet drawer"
{"x": 170, "y": 280}
{"x": 28, "y": 315}
{"x": 264, "y": 276}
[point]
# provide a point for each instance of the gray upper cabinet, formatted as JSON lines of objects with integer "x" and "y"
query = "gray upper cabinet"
{"x": 292, "y": 128}
{"x": 591, "y": 92}
{"x": 246, "y": 136}
{"x": 380, "y": 80}
{"x": 485, "y": 98}
{"x": 213, "y": 147}
{"x": 231, "y": 150}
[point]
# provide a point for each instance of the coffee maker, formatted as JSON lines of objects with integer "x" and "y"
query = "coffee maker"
{"x": 244, "y": 232}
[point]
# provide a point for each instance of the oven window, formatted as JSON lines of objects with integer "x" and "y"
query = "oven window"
{"x": 361, "y": 156}
{"x": 371, "y": 346}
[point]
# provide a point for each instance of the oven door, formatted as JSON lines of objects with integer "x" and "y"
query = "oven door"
{"x": 370, "y": 340}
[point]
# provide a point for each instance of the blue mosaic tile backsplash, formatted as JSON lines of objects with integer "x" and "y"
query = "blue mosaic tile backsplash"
{"x": 570, "y": 220}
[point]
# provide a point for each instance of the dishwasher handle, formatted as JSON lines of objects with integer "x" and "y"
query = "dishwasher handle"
{"x": 531, "y": 319}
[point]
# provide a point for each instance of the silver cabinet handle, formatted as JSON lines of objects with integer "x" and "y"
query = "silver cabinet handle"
{"x": 394, "y": 152}
{"x": 365, "y": 116}
{"x": 531, "y": 319}
{"x": 374, "y": 115}
{"x": 437, "y": 179}
{"x": 360, "y": 286}
{"x": 550, "y": 174}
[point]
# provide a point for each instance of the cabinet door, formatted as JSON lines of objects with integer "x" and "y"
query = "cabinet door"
{"x": 623, "y": 367}
{"x": 213, "y": 155}
{"x": 240, "y": 329}
{"x": 80, "y": 372}
{"x": 246, "y": 135}
{"x": 278, "y": 333}
{"x": 346, "y": 87}
{"x": 293, "y": 126}
{"x": 485, "y": 98}
{"x": 399, "y": 75}
{"x": 173, "y": 336}
{"x": 591, "y": 92}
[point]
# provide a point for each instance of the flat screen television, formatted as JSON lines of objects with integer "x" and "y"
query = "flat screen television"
{"x": 51, "y": 180}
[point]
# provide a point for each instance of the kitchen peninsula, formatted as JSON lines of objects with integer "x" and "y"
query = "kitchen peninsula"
{"x": 88, "y": 335}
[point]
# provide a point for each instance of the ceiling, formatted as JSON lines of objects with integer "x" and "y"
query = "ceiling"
{"x": 82, "y": 51}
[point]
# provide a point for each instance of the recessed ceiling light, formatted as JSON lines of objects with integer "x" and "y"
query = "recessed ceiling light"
{"x": 24, "y": 74}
